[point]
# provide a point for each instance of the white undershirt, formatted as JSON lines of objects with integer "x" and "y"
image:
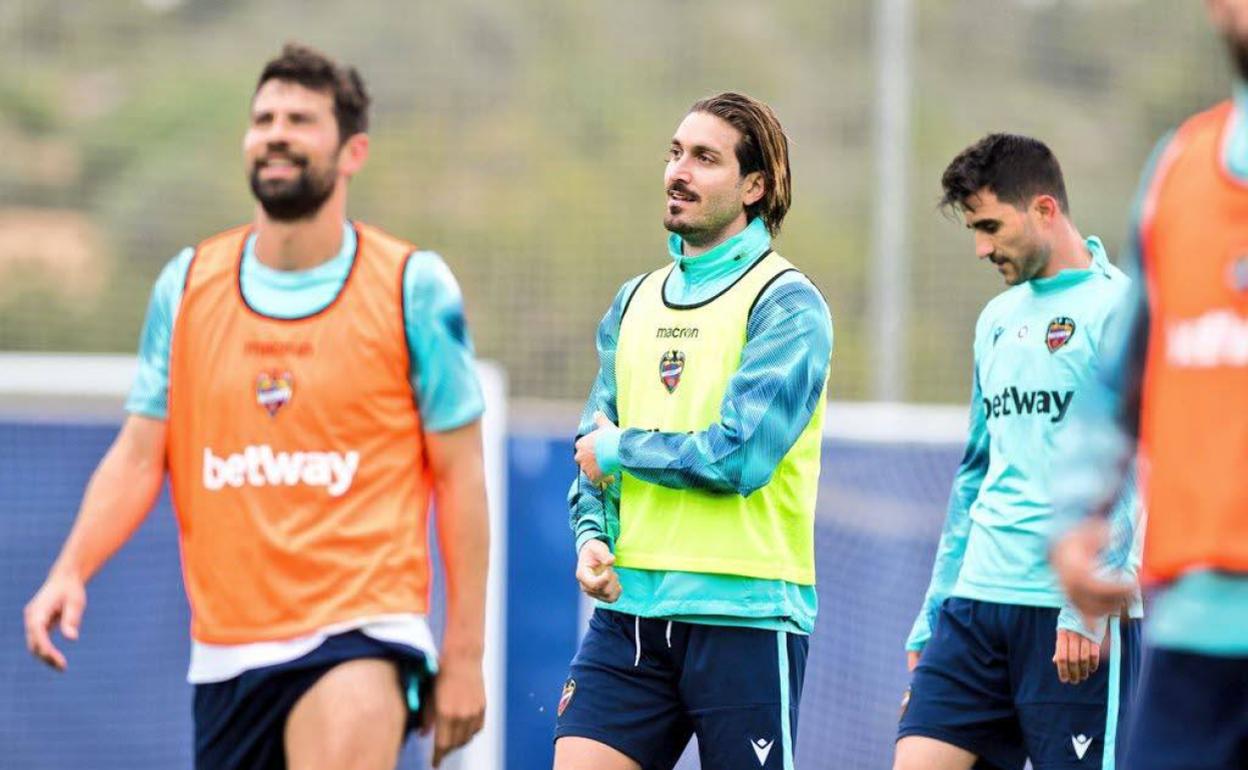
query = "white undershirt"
{"x": 219, "y": 662}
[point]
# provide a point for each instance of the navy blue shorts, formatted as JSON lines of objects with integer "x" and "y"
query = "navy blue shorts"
{"x": 643, "y": 686}
{"x": 986, "y": 683}
{"x": 240, "y": 723}
{"x": 1192, "y": 713}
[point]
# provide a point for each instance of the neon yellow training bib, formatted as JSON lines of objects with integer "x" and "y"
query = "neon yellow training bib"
{"x": 673, "y": 365}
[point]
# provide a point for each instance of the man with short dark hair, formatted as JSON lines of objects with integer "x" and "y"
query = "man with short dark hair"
{"x": 694, "y": 519}
{"x": 1003, "y": 669}
{"x": 302, "y": 496}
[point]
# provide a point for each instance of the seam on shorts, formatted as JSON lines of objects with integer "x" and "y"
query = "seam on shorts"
{"x": 733, "y": 707}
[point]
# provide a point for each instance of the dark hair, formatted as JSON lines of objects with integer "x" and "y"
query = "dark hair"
{"x": 763, "y": 147}
{"x": 312, "y": 69}
{"x": 1014, "y": 168}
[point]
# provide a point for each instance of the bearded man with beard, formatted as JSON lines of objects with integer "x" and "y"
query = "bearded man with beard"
{"x": 1176, "y": 391}
{"x": 699, "y": 453}
{"x": 302, "y": 495}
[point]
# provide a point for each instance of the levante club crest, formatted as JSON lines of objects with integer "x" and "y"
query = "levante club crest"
{"x": 1061, "y": 329}
{"x": 274, "y": 390}
{"x": 670, "y": 369}
{"x": 569, "y": 689}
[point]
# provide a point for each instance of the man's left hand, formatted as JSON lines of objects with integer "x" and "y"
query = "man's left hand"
{"x": 587, "y": 458}
{"x": 457, "y": 710}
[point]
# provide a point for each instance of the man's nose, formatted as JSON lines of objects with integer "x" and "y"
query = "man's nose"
{"x": 983, "y": 246}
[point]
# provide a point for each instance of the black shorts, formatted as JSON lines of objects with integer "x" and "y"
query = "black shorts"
{"x": 240, "y": 723}
{"x": 986, "y": 683}
{"x": 1192, "y": 714}
{"x": 643, "y": 686}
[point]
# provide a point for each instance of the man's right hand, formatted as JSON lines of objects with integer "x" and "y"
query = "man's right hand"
{"x": 912, "y": 659}
{"x": 1076, "y": 559}
{"x": 595, "y": 573}
{"x": 62, "y": 598}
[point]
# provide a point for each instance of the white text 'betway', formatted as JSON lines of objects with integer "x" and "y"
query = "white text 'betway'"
{"x": 260, "y": 466}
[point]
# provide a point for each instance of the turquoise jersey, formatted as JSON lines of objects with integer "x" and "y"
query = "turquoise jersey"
{"x": 768, "y": 402}
{"x": 1037, "y": 349}
{"x": 443, "y": 374}
{"x": 1201, "y": 612}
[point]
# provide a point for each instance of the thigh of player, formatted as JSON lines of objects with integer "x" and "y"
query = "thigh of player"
{"x": 353, "y": 718}
{"x": 959, "y": 711}
{"x": 1075, "y": 726}
{"x": 347, "y": 704}
{"x": 743, "y": 687}
{"x": 620, "y": 707}
{"x": 1191, "y": 714}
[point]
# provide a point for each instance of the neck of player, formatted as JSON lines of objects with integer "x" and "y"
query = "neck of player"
{"x": 735, "y": 226}
{"x": 304, "y": 243}
{"x": 1069, "y": 251}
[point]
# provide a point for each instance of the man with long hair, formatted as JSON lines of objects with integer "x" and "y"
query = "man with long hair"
{"x": 699, "y": 456}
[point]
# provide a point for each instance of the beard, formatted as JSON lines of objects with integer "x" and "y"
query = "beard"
{"x": 700, "y": 230}
{"x": 705, "y": 230}
{"x": 1238, "y": 50}
{"x": 289, "y": 200}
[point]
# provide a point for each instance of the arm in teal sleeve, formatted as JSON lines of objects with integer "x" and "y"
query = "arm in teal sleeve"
{"x": 952, "y": 547}
{"x": 1096, "y": 453}
{"x": 1096, "y": 459}
{"x": 592, "y": 511}
{"x": 1121, "y": 558}
{"x": 149, "y": 394}
{"x": 768, "y": 403}
{"x": 444, "y": 373}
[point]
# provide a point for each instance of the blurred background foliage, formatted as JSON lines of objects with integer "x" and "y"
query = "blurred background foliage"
{"x": 525, "y": 142}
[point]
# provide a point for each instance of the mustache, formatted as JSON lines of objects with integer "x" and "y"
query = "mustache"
{"x": 683, "y": 189}
{"x": 281, "y": 153}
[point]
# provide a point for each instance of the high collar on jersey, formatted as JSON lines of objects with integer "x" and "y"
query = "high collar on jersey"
{"x": 700, "y": 277}
{"x": 1072, "y": 276}
{"x": 1236, "y": 147}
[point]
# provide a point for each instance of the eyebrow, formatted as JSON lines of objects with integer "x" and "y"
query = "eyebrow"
{"x": 980, "y": 224}
{"x": 697, "y": 148}
{"x": 269, "y": 112}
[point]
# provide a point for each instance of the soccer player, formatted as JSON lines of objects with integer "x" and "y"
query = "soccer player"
{"x": 1003, "y": 669}
{"x": 699, "y": 549}
{"x": 1177, "y": 386}
{"x": 308, "y": 383}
